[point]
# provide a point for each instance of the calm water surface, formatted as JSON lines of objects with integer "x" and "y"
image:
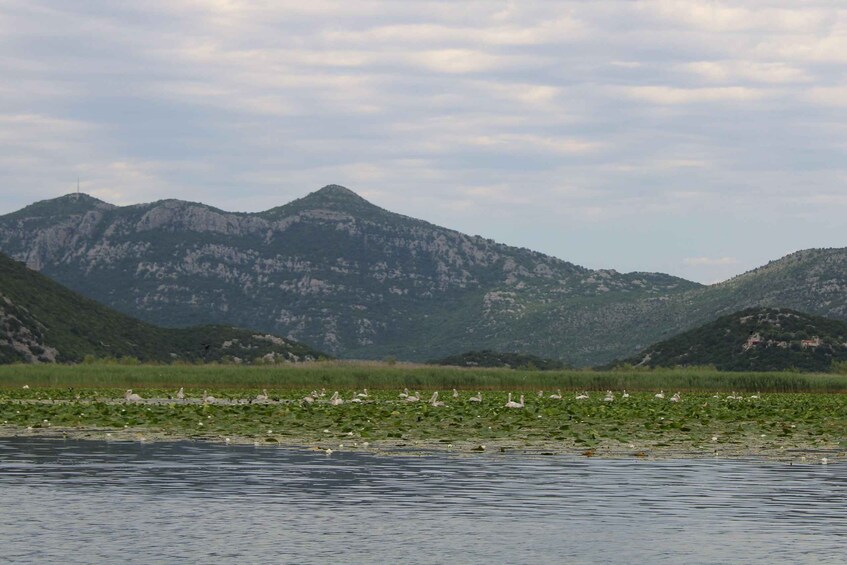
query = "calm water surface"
{"x": 96, "y": 502}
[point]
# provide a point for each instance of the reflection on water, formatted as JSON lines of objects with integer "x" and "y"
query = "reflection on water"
{"x": 96, "y": 502}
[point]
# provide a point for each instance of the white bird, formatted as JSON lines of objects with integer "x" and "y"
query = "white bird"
{"x": 363, "y": 394}
{"x": 404, "y": 394}
{"x": 130, "y": 396}
{"x": 477, "y": 398}
{"x": 676, "y": 397}
{"x": 208, "y": 399}
{"x": 455, "y": 393}
{"x": 335, "y": 400}
{"x": 583, "y": 396}
{"x": 262, "y": 397}
{"x": 755, "y": 396}
{"x": 433, "y": 401}
{"x": 26, "y": 387}
{"x": 180, "y": 394}
{"x": 323, "y": 392}
{"x": 557, "y": 396}
{"x": 625, "y": 394}
{"x": 314, "y": 394}
{"x": 610, "y": 396}
{"x": 309, "y": 398}
{"x": 540, "y": 394}
{"x": 660, "y": 394}
{"x": 413, "y": 397}
{"x": 512, "y": 404}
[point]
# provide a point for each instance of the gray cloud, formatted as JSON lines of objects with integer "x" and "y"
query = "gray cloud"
{"x": 619, "y": 134}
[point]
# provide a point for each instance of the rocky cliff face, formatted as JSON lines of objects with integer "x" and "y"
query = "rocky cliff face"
{"x": 347, "y": 277}
{"x": 22, "y": 336}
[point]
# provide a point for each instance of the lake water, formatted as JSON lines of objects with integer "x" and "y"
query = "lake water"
{"x": 97, "y": 502}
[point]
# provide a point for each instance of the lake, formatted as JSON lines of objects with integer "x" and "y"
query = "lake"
{"x": 69, "y": 501}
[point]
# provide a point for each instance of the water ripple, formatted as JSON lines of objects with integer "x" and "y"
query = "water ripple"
{"x": 107, "y": 502}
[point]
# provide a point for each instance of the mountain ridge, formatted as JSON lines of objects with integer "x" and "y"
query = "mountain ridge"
{"x": 349, "y": 277}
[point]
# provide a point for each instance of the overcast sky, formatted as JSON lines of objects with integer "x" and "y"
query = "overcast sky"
{"x": 697, "y": 138}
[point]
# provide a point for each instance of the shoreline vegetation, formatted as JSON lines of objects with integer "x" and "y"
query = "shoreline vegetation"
{"x": 381, "y": 375}
{"x": 792, "y": 417}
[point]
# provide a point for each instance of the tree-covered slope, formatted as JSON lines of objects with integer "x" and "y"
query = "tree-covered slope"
{"x": 755, "y": 339}
{"x": 41, "y": 321}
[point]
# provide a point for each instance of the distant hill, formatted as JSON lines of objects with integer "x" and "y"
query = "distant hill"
{"x": 41, "y": 321}
{"x": 755, "y": 339}
{"x": 342, "y": 275}
{"x": 488, "y": 358}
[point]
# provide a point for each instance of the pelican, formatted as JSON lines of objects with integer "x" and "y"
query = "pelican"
{"x": 512, "y": 404}
{"x": 207, "y": 399}
{"x": 625, "y": 394}
{"x": 363, "y": 394}
{"x": 540, "y": 394}
{"x": 413, "y": 397}
{"x": 583, "y": 396}
{"x": 335, "y": 400}
{"x": 404, "y": 394}
{"x": 477, "y": 398}
{"x": 130, "y": 396}
{"x": 262, "y": 397}
{"x": 610, "y": 396}
{"x": 180, "y": 394}
{"x": 676, "y": 397}
{"x": 557, "y": 396}
{"x": 660, "y": 394}
{"x": 455, "y": 393}
{"x": 433, "y": 401}
{"x": 309, "y": 398}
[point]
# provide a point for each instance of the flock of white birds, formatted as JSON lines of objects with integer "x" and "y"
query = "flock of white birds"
{"x": 406, "y": 396}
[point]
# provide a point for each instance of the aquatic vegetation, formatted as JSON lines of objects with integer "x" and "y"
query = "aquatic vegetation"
{"x": 637, "y": 425}
{"x": 340, "y": 375}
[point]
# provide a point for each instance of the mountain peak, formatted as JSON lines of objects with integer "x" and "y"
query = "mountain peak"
{"x": 336, "y": 194}
{"x": 336, "y": 190}
{"x": 72, "y": 203}
{"x": 331, "y": 197}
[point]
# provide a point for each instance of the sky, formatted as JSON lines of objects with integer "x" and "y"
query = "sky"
{"x": 696, "y": 138}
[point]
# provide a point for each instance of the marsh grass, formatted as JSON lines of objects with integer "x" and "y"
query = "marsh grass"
{"x": 382, "y": 376}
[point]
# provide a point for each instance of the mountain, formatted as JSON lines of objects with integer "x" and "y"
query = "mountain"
{"x": 345, "y": 276}
{"x": 41, "y": 321}
{"x": 488, "y": 358}
{"x": 755, "y": 339}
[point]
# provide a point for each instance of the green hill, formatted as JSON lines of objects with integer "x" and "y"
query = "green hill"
{"x": 755, "y": 339}
{"x": 489, "y": 358}
{"x": 41, "y": 321}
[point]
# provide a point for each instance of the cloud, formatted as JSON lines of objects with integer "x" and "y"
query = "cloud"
{"x": 710, "y": 261}
{"x": 672, "y": 95}
{"x": 659, "y": 117}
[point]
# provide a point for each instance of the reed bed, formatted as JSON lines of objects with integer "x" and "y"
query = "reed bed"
{"x": 382, "y": 376}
